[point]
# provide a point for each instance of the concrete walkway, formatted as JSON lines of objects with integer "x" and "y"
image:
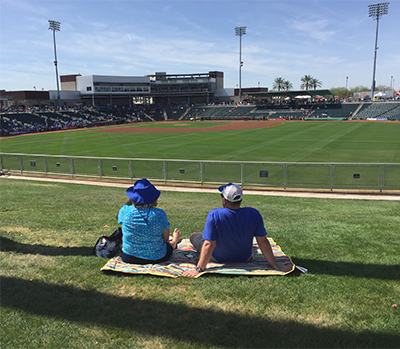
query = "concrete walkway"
{"x": 360, "y": 195}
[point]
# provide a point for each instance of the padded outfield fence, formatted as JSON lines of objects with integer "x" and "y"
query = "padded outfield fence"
{"x": 376, "y": 176}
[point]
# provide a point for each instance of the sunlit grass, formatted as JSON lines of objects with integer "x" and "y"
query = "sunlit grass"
{"x": 54, "y": 295}
{"x": 292, "y": 141}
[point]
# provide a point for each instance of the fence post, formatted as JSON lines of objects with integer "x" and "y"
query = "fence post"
{"x": 331, "y": 167}
{"x": 165, "y": 171}
{"x": 1, "y": 163}
{"x": 242, "y": 174}
{"x": 21, "y": 167}
{"x": 201, "y": 173}
{"x": 382, "y": 176}
{"x": 71, "y": 166}
{"x": 45, "y": 165}
{"x": 130, "y": 170}
{"x": 100, "y": 169}
{"x": 284, "y": 175}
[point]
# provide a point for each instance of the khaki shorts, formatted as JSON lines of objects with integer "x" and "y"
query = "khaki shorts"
{"x": 198, "y": 242}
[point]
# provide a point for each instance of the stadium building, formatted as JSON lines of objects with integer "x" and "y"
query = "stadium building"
{"x": 157, "y": 88}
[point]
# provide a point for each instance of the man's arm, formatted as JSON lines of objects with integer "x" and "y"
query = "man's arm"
{"x": 266, "y": 250}
{"x": 206, "y": 253}
{"x": 205, "y": 256}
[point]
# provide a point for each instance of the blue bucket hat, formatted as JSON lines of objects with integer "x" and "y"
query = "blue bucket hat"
{"x": 143, "y": 192}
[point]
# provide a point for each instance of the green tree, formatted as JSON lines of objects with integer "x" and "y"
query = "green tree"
{"x": 342, "y": 92}
{"x": 360, "y": 89}
{"x": 287, "y": 85}
{"x": 314, "y": 83}
{"x": 278, "y": 84}
{"x": 381, "y": 87}
{"x": 306, "y": 82}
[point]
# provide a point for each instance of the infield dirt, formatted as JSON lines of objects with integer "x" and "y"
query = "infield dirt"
{"x": 233, "y": 125}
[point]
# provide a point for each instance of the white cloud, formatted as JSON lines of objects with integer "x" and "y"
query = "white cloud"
{"x": 313, "y": 29}
{"x": 329, "y": 40}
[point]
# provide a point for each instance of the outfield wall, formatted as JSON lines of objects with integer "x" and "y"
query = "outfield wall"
{"x": 378, "y": 176}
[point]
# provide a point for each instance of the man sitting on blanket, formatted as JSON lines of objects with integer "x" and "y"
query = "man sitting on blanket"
{"x": 228, "y": 233}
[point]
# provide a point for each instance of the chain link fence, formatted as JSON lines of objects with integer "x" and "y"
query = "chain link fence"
{"x": 376, "y": 176}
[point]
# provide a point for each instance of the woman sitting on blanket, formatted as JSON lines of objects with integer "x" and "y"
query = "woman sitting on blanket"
{"x": 145, "y": 228}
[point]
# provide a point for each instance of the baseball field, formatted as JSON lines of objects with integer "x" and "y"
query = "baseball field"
{"x": 53, "y": 294}
{"x": 319, "y": 141}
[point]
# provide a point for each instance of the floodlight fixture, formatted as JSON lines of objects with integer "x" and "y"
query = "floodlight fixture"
{"x": 377, "y": 11}
{"x": 240, "y": 31}
{"x": 55, "y": 26}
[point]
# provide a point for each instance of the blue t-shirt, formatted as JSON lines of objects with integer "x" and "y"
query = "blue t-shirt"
{"x": 233, "y": 231}
{"x": 142, "y": 231}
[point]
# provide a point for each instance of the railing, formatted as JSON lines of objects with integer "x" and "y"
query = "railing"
{"x": 376, "y": 176}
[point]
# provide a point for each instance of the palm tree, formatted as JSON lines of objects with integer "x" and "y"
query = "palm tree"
{"x": 315, "y": 83}
{"x": 306, "y": 82}
{"x": 287, "y": 85}
{"x": 278, "y": 84}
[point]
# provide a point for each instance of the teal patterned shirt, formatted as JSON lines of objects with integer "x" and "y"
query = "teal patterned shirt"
{"x": 142, "y": 231}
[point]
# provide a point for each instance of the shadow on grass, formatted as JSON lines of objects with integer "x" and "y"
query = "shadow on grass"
{"x": 13, "y": 246}
{"x": 371, "y": 271}
{"x": 194, "y": 326}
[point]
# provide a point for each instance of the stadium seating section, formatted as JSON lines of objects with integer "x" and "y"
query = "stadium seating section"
{"x": 16, "y": 121}
{"x": 380, "y": 110}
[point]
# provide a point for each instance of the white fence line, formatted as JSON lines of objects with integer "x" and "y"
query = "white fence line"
{"x": 334, "y": 175}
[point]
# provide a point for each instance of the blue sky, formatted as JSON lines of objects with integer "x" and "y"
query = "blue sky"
{"x": 330, "y": 40}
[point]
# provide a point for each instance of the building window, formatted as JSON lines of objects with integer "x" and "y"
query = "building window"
{"x": 89, "y": 88}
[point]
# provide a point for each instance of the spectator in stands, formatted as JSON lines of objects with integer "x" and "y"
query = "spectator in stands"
{"x": 145, "y": 228}
{"x": 229, "y": 231}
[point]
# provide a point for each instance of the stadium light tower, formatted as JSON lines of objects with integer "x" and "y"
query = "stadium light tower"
{"x": 377, "y": 11}
{"x": 55, "y": 26}
{"x": 240, "y": 31}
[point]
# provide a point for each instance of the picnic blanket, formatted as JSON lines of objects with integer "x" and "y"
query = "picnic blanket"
{"x": 185, "y": 258}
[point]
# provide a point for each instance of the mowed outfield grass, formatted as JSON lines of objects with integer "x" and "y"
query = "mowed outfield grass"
{"x": 53, "y": 294}
{"x": 319, "y": 141}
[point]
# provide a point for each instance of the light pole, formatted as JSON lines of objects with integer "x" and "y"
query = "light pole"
{"x": 377, "y": 11}
{"x": 240, "y": 31}
{"x": 55, "y": 26}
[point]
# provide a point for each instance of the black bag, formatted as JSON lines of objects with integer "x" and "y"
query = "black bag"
{"x": 109, "y": 246}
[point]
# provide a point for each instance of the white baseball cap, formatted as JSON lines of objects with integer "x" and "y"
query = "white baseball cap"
{"x": 231, "y": 192}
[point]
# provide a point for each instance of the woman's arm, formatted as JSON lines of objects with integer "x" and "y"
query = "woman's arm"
{"x": 165, "y": 235}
